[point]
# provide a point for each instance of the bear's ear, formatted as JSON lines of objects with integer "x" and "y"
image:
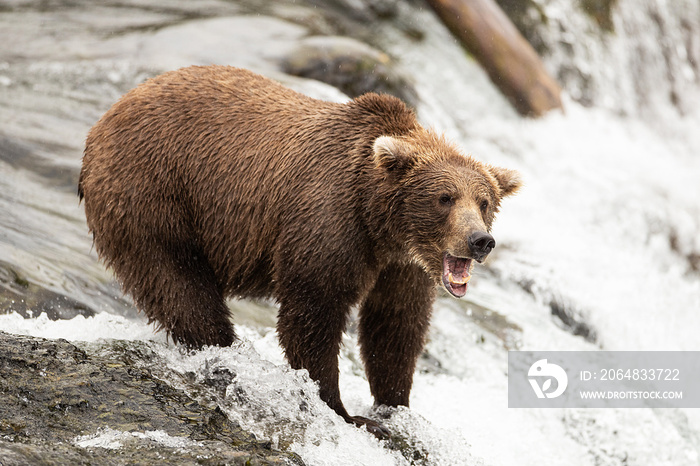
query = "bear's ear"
{"x": 508, "y": 180}
{"x": 392, "y": 154}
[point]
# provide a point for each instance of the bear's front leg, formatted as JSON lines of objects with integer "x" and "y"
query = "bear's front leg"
{"x": 310, "y": 336}
{"x": 310, "y": 333}
{"x": 394, "y": 320}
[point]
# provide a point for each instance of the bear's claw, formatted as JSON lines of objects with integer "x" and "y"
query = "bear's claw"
{"x": 373, "y": 427}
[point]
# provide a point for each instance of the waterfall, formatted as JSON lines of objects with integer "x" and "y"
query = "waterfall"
{"x": 630, "y": 56}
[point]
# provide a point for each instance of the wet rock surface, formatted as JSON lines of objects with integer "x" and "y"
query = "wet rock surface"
{"x": 60, "y": 404}
{"x": 17, "y": 294}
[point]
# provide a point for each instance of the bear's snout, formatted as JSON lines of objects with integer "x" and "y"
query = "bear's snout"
{"x": 480, "y": 244}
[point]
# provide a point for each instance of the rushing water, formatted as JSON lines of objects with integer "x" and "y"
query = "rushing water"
{"x": 602, "y": 241}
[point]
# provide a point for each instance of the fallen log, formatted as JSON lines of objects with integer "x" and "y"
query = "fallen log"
{"x": 510, "y": 61}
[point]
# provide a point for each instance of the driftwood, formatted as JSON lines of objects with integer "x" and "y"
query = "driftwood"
{"x": 510, "y": 61}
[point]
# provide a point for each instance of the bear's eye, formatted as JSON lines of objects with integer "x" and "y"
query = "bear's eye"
{"x": 484, "y": 206}
{"x": 446, "y": 200}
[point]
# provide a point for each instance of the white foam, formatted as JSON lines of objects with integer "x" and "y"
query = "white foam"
{"x": 112, "y": 439}
{"x": 80, "y": 328}
{"x": 280, "y": 404}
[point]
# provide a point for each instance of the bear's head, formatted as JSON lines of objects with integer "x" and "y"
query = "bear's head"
{"x": 439, "y": 203}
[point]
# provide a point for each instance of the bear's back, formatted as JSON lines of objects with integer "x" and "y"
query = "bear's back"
{"x": 226, "y": 159}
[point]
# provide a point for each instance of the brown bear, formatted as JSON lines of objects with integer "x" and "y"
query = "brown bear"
{"x": 211, "y": 182}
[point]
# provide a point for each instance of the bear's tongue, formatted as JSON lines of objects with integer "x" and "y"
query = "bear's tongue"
{"x": 455, "y": 274}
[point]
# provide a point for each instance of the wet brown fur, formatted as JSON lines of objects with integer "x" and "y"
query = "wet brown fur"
{"x": 209, "y": 182}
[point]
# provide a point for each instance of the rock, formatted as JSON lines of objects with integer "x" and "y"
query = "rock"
{"x": 509, "y": 333}
{"x": 60, "y": 404}
{"x": 569, "y": 316}
{"x": 29, "y": 299}
{"x": 348, "y": 64}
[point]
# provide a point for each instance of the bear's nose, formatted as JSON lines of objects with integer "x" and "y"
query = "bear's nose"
{"x": 481, "y": 244}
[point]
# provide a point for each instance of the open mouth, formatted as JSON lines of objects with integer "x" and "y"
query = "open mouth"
{"x": 455, "y": 274}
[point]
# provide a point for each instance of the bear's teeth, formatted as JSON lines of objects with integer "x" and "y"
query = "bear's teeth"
{"x": 459, "y": 281}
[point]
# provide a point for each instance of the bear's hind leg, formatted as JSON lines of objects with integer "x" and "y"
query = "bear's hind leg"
{"x": 179, "y": 291}
{"x": 394, "y": 320}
